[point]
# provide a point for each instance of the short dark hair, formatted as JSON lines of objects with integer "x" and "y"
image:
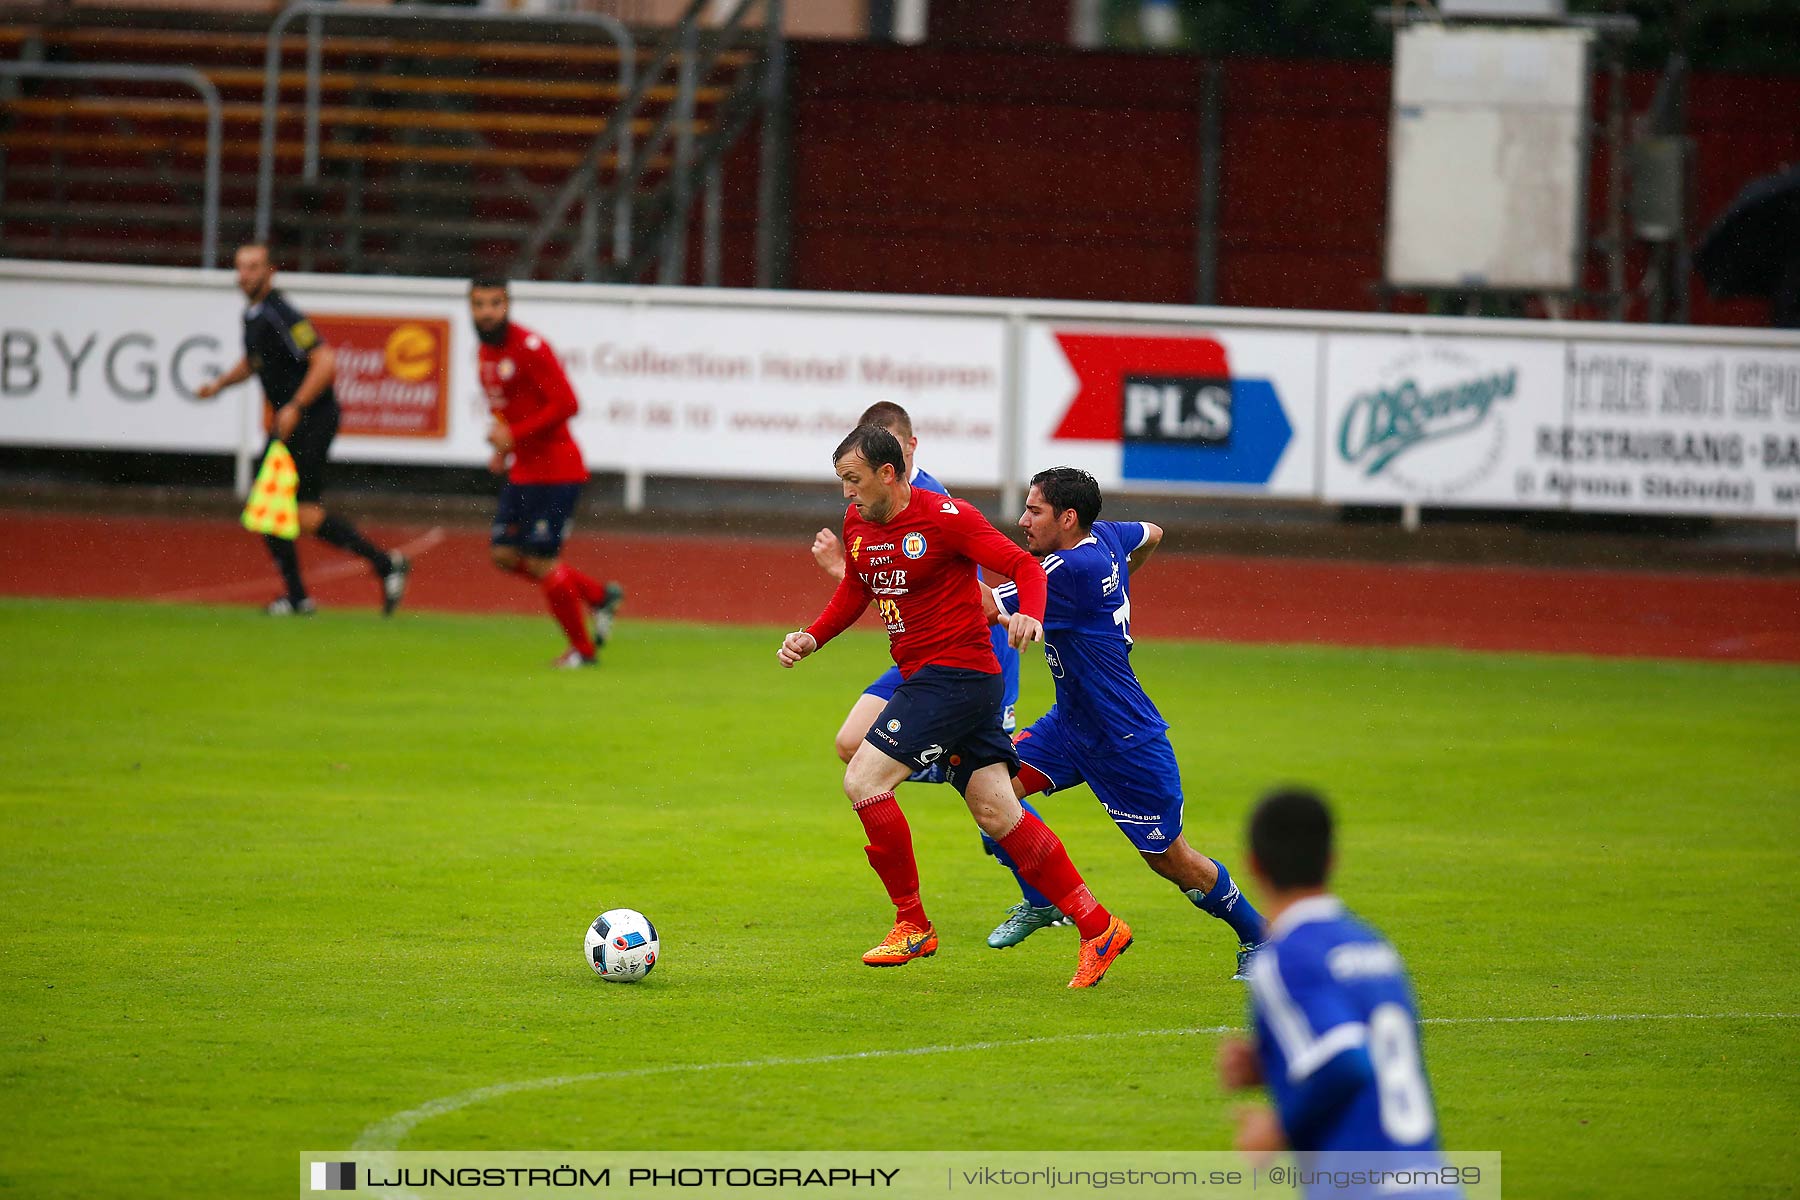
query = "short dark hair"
{"x": 1290, "y": 837}
{"x": 488, "y": 281}
{"x": 262, "y": 244}
{"x": 876, "y": 445}
{"x": 1070, "y": 487}
{"x": 888, "y": 415}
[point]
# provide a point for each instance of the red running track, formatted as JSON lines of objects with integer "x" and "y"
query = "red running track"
{"x": 760, "y": 581}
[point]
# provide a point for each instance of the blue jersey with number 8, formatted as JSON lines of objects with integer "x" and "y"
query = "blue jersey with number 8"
{"x": 1337, "y": 1035}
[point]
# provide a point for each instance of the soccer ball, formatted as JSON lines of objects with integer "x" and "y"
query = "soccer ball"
{"x": 621, "y": 945}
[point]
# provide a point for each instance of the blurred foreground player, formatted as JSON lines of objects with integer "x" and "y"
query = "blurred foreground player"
{"x": 1034, "y": 910}
{"x": 917, "y": 554}
{"x": 1336, "y": 1031}
{"x": 1103, "y": 730}
{"x": 531, "y": 403}
{"x": 296, "y": 368}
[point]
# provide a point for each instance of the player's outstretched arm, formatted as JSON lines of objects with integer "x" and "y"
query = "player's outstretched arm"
{"x": 231, "y": 378}
{"x": 847, "y": 604}
{"x": 1022, "y": 630}
{"x": 560, "y": 402}
{"x": 828, "y": 552}
{"x": 796, "y": 646}
{"x": 990, "y": 607}
{"x": 1153, "y": 536}
{"x": 988, "y": 547}
{"x": 321, "y": 369}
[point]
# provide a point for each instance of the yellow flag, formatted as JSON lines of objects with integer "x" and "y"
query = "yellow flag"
{"x": 271, "y": 507}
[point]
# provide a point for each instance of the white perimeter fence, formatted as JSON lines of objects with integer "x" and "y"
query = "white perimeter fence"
{"x": 1335, "y": 407}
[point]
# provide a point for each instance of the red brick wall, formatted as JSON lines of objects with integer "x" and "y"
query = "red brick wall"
{"x": 1050, "y": 173}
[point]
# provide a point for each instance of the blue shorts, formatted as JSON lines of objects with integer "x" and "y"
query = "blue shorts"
{"x": 947, "y": 713}
{"x": 533, "y": 518}
{"x": 888, "y": 682}
{"x": 1140, "y": 788}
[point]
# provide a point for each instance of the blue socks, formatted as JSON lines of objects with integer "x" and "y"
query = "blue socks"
{"x": 1032, "y": 896}
{"x": 1228, "y": 904}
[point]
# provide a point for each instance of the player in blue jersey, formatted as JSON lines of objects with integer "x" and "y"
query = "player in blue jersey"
{"x": 1103, "y": 730}
{"x": 1034, "y": 910}
{"x": 1336, "y": 1031}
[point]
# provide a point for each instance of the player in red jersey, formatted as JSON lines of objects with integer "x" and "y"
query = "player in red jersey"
{"x": 531, "y": 403}
{"x": 915, "y": 553}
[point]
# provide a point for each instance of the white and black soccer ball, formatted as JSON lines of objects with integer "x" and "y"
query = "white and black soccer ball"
{"x": 621, "y": 945}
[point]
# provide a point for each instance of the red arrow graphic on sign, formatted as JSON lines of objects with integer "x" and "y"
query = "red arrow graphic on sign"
{"x": 1101, "y": 362}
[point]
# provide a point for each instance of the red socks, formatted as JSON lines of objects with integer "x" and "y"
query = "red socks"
{"x": 569, "y": 593}
{"x": 1039, "y": 856}
{"x": 565, "y": 599}
{"x": 1037, "y": 852}
{"x": 586, "y": 586}
{"x": 890, "y": 852}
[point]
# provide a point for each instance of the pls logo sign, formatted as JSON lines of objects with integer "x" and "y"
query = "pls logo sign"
{"x": 1174, "y": 407}
{"x": 393, "y": 374}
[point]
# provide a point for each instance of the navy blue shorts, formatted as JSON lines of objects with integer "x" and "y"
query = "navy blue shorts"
{"x": 533, "y": 518}
{"x": 947, "y": 713}
{"x": 888, "y": 682}
{"x": 1140, "y": 788}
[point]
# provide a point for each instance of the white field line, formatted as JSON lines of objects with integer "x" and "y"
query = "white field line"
{"x": 388, "y": 1134}
{"x": 342, "y": 569}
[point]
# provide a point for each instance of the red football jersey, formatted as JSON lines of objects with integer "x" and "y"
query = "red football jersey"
{"x": 920, "y": 569}
{"x": 526, "y": 388}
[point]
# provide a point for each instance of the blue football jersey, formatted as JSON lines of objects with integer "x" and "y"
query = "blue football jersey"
{"x": 1337, "y": 1033}
{"x": 921, "y": 478}
{"x": 1087, "y": 641}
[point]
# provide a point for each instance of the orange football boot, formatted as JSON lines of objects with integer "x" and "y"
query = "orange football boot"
{"x": 1099, "y": 953}
{"x": 904, "y": 942}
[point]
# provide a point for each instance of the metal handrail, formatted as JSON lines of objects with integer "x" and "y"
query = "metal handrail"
{"x": 675, "y": 226}
{"x": 317, "y": 10}
{"x": 135, "y": 73}
{"x": 583, "y": 173}
{"x": 669, "y": 203}
{"x": 676, "y": 119}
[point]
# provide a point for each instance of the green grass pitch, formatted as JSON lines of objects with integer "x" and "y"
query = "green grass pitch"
{"x": 264, "y": 885}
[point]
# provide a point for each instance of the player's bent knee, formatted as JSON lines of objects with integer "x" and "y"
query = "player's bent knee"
{"x": 847, "y": 742}
{"x": 504, "y": 557}
{"x": 871, "y": 773}
{"x": 991, "y": 801}
{"x": 856, "y": 725}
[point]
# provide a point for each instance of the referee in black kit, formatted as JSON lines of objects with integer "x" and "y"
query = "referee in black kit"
{"x": 296, "y": 368}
